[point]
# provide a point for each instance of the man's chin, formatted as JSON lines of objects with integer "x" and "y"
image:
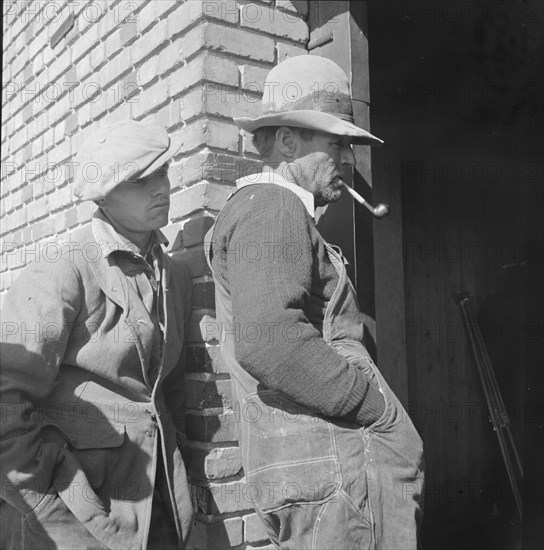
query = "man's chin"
{"x": 159, "y": 221}
{"x": 330, "y": 196}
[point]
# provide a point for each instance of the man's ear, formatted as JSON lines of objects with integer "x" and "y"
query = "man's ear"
{"x": 287, "y": 141}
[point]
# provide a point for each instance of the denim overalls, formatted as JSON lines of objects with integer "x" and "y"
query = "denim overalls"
{"x": 320, "y": 482}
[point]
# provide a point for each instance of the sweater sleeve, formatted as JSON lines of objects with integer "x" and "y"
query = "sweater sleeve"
{"x": 270, "y": 267}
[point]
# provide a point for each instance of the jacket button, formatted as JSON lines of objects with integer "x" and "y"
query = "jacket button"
{"x": 148, "y": 433}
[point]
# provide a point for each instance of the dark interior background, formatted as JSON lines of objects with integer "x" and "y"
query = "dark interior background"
{"x": 456, "y": 93}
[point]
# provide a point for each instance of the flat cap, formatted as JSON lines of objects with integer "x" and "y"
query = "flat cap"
{"x": 120, "y": 151}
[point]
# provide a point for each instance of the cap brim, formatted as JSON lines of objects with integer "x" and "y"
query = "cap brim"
{"x": 176, "y": 144}
{"x": 312, "y": 120}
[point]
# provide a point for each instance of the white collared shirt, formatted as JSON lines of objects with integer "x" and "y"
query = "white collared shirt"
{"x": 269, "y": 176}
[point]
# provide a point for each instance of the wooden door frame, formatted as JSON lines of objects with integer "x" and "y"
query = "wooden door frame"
{"x": 373, "y": 248}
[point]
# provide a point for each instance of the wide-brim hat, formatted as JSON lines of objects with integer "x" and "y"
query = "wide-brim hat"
{"x": 118, "y": 152}
{"x": 308, "y": 91}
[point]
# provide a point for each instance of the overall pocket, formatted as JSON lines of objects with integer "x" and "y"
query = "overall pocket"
{"x": 290, "y": 453}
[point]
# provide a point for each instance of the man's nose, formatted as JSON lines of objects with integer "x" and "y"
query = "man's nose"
{"x": 162, "y": 185}
{"x": 347, "y": 156}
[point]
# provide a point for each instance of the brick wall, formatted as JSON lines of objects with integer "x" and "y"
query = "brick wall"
{"x": 193, "y": 65}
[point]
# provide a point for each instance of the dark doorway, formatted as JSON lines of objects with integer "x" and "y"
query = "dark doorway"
{"x": 456, "y": 93}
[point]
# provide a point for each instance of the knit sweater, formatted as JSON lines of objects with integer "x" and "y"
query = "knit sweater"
{"x": 268, "y": 254}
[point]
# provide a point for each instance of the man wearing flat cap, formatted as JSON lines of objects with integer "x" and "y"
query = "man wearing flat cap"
{"x": 331, "y": 458}
{"x": 92, "y": 366}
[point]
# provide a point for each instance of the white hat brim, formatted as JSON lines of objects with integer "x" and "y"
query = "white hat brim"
{"x": 312, "y": 120}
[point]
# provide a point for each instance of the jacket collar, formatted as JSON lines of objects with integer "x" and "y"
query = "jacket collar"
{"x": 269, "y": 176}
{"x": 109, "y": 275}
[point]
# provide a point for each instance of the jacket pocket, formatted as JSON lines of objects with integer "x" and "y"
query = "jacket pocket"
{"x": 290, "y": 453}
{"x": 98, "y": 452}
{"x": 96, "y": 446}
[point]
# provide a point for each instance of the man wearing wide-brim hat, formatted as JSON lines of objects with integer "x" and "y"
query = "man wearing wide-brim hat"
{"x": 92, "y": 365}
{"x": 331, "y": 458}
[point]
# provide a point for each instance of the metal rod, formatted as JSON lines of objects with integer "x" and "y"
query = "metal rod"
{"x": 497, "y": 411}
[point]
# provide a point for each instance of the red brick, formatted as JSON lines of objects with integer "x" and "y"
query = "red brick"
{"x": 109, "y": 22}
{"x": 252, "y": 77}
{"x": 149, "y": 43}
{"x": 71, "y": 78}
{"x": 126, "y": 11}
{"x": 207, "y": 393}
{"x": 239, "y": 42}
{"x": 254, "y": 530}
{"x": 129, "y": 89}
{"x": 168, "y": 59}
{"x": 170, "y": 116}
{"x": 113, "y": 43}
{"x": 206, "y": 358}
{"x": 228, "y": 168}
{"x": 85, "y": 212}
{"x": 147, "y": 72}
{"x": 60, "y": 65}
{"x": 84, "y": 114}
{"x": 211, "y": 428}
{"x": 227, "y": 498}
{"x": 26, "y": 194}
{"x": 99, "y": 105}
{"x": 71, "y": 124}
{"x": 162, "y": 9}
{"x": 150, "y": 99}
{"x": 28, "y": 112}
{"x": 219, "y": 100}
{"x": 194, "y": 229}
{"x": 187, "y": 14}
{"x": 225, "y": 533}
{"x": 299, "y": 7}
{"x": 114, "y": 69}
{"x": 222, "y": 463}
{"x": 91, "y": 14}
{"x": 275, "y": 22}
{"x": 223, "y": 10}
{"x": 146, "y": 17}
{"x": 212, "y": 133}
{"x": 247, "y": 144}
{"x": 129, "y": 31}
{"x": 204, "y": 295}
{"x": 98, "y": 56}
{"x": 289, "y": 50}
{"x": 194, "y": 259}
{"x": 194, "y": 460}
{"x": 216, "y": 535}
{"x": 87, "y": 41}
{"x": 203, "y": 327}
{"x": 204, "y": 67}
{"x": 70, "y": 217}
